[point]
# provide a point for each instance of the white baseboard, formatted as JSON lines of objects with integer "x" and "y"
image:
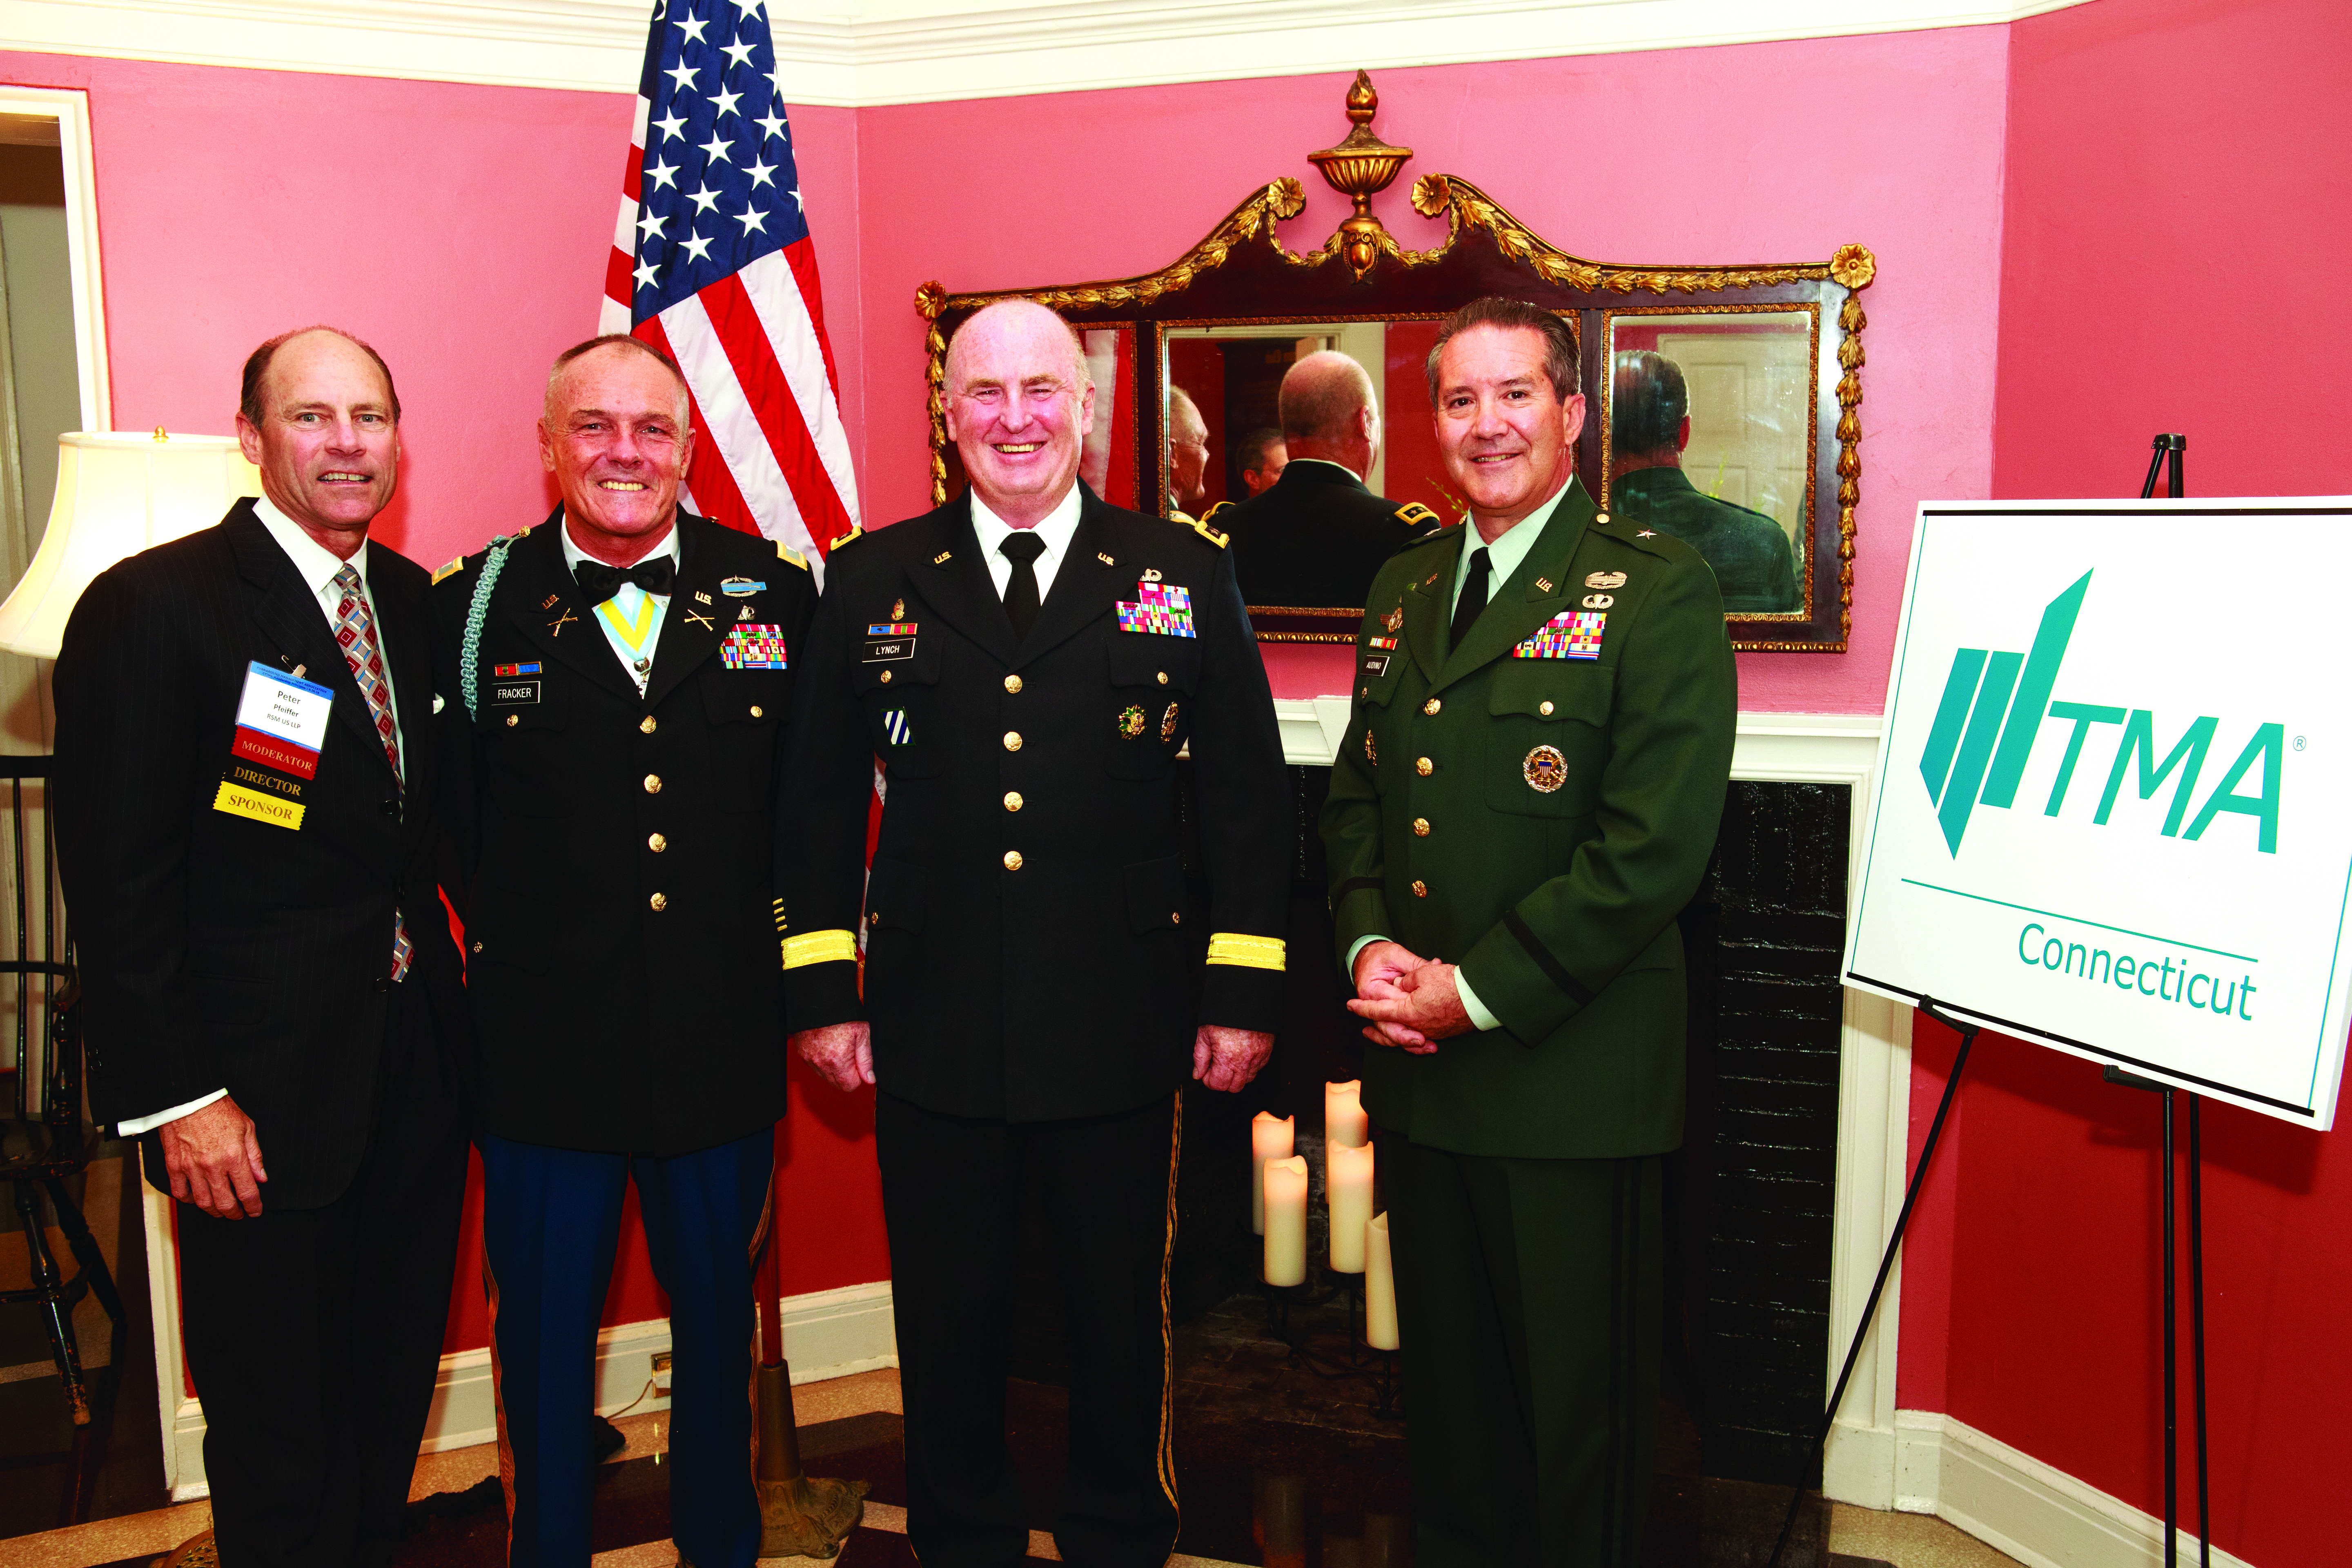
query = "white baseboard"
{"x": 2014, "y": 1502}
{"x": 827, "y": 1334}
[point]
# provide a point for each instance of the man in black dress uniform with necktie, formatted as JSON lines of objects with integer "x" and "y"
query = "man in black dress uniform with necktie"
{"x": 1026, "y": 662}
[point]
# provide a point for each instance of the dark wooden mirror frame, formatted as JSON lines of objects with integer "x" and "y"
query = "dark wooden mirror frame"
{"x": 1243, "y": 273}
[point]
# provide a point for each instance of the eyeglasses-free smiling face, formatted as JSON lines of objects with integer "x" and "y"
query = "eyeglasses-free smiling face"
{"x": 327, "y": 445}
{"x": 1019, "y": 407}
{"x": 1506, "y": 434}
{"x": 615, "y": 436}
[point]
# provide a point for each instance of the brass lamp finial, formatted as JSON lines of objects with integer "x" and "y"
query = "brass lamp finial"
{"x": 1359, "y": 168}
{"x": 159, "y": 434}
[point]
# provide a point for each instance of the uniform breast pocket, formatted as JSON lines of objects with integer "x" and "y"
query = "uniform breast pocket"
{"x": 1149, "y": 710}
{"x": 520, "y": 719}
{"x": 897, "y": 684}
{"x": 747, "y": 708}
{"x": 1548, "y": 737}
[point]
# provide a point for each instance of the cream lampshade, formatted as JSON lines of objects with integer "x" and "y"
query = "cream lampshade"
{"x": 118, "y": 495}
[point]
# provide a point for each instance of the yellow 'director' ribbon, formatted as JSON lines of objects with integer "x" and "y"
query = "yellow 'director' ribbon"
{"x": 1248, "y": 951}
{"x": 820, "y": 947}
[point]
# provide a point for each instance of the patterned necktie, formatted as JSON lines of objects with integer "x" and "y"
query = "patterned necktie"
{"x": 355, "y": 630}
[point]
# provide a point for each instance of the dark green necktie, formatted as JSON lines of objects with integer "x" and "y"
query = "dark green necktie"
{"x": 1473, "y": 597}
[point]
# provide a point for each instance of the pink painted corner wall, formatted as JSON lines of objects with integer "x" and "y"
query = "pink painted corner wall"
{"x": 1758, "y": 153}
{"x": 463, "y": 231}
{"x": 2166, "y": 159}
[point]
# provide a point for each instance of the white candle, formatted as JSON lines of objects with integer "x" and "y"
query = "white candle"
{"x": 1286, "y": 1220}
{"x": 1348, "y": 1190}
{"x": 1269, "y": 1140}
{"x": 1344, "y": 1122}
{"x": 1379, "y": 1288}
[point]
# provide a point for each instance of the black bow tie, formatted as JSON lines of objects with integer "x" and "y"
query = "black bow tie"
{"x": 600, "y": 582}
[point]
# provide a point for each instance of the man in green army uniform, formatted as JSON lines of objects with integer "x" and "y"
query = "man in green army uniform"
{"x": 1649, "y": 425}
{"x": 1532, "y": 788}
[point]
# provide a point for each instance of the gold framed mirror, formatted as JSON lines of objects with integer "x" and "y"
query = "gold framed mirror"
{"x": 1722, "y": 401}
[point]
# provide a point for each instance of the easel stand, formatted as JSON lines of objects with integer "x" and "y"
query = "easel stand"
{"x": 1967, "y": 1033}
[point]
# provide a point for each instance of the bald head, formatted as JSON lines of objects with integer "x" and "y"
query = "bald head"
{"x": 1329, "y": 412}
{"x": 1188, "y": 451}
{"x": 1021, "y": 320}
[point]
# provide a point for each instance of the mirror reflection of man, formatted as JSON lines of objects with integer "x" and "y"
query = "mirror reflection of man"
{"x": 1188, "y": 456}
{"x": 1261, "y": 456}
{"x": 1025, "y": 662}
{"x": 1318, "y": 534}
{"x": 1531, "y": 786}
{"x": 1649, "y": 426}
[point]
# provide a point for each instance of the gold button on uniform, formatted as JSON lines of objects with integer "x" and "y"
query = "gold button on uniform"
{"x": 1175, "y": 917}
{"x": 653, "y": 783}
{"x": 1013, "y": 800}
{"x": 1163, "y": 678}
{"x": 1543, "y": 707}
{"x": 1012, "y": 684}
{"x": 1012, "y": 859}
{"x": 656, "y": 843}
{"x": 646, "y": 724}
{"x": 1420, "y": 889}
{"x": 1420, "y": 828}
{"x": 661, "y": 901}
{"x": 1431, "y": 706}
{"x": 758, "y": 711}
{"x": 478, "y": 947}
{"x": 885, "y": 677}
{"x": 514, "y": 720}
{"x": 1012, "y": 740}
{"x": 1424, "y": 766}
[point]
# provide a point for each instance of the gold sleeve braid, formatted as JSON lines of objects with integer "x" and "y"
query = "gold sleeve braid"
{"x": 820, "y": 947}
{"x": 1246, "y": 952}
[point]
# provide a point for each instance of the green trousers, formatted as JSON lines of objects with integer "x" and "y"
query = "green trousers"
{"x": 1531, "y": 1302}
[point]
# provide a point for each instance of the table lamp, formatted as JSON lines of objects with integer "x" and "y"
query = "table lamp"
{"x": 118, "y": 494}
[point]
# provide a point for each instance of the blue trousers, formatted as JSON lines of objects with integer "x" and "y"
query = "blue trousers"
{"x": 551, "y": 1218}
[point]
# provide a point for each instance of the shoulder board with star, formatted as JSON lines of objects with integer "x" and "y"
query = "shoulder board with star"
{"x": 854, "y": 534}
{"x": 1642, "y": 537}
{"x": 1412, "y": 514}
{"x": 1201, "y": 528}
{"x": 790, "y": 556}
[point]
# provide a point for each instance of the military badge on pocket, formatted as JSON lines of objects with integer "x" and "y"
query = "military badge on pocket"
{"x": 1545, "y": 769}
{"x": 1130, "y": 721}
{"x": 894, "y": 725}
{"x": 1168, "y": 723}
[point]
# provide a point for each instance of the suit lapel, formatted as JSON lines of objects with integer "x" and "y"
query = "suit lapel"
{"x": 1078, "y": 595}
{"x": 539, "y": 598}
{"x": 1519, "y": 605}
{"x": 691, "y": 628}
{"x": 1428, "y": 607}
{"x": 288, "y": 613}
{"x": 400, "y": 628}
{"x": 958, "y": 589}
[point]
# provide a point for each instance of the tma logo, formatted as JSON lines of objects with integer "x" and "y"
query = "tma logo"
{"x": 1991, "y": 713}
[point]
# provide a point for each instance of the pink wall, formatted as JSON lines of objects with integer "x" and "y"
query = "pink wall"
{"x": 463, "y": 231}
{"x": 1724, "y": 154}
{"x": 2166, "y": 158}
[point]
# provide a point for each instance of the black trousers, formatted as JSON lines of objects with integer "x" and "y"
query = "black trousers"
{"x": 1532, "y": 1304}
{"x": 953, "y": 1190}
{"x": 314, "y": 1336}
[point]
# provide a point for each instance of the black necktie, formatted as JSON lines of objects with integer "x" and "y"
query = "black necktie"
{"x": 600, "y": 582}
{"x": 1021, "y": 547}
{"x": 1474, "y": 597}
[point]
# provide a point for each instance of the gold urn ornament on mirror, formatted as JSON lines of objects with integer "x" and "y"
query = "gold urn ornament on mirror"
{"x": 1723, "y": 399}
{"x": 1360, "y": 168}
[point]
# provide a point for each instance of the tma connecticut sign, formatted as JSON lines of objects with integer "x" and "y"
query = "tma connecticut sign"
{"x": 2111, "y": 812}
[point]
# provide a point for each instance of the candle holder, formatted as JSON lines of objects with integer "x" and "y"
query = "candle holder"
{"x": 1325, "y": 1287}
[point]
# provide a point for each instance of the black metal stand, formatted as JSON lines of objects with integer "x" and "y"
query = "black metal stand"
{"x": 2166, "y": 447}
{"x": 1350, "y": 1289}
{"x": 2172, "y": 1318}
{"x": 1967, "y": 1033}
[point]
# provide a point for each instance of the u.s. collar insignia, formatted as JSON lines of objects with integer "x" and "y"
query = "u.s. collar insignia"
{"x": 1543, "y": 584}
{"x": 1394, "y": 620}
{"x": 736, "y": 588}
{"x": 700, "y": 597}
{"x": 1605, "y": 580}
{"x": 548, "y": 603}
{"x": 1104, "y": 559}
{"x": 941, "y": 557}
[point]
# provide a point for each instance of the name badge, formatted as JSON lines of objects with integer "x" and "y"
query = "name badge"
{"x": 881, "y": 650}
{"x": 513, "y": 693}
{"x": 281, "y": 722}
{"x": 1376, "y": 664}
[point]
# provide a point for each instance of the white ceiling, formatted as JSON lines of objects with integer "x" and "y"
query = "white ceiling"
{"x": 856, "y": 52}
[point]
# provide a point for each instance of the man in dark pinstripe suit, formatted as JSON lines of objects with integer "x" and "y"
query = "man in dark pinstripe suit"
{"x": 245, "y": 773}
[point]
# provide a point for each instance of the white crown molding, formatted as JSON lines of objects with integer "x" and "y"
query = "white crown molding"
{"x": 853, "y": 53}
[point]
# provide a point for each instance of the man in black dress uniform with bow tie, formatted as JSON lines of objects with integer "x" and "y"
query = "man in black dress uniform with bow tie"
{"x": 618, "y": 681}
{"x": 1026, "y": 662}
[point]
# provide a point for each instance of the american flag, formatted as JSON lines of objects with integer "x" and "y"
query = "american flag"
{"x": 712, "y": 261}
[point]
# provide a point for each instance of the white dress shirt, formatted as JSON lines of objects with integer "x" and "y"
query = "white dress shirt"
{"x": 630, "y": 603}
{"x": 317, "y": 566}
{"x": 1059, "y": 527}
